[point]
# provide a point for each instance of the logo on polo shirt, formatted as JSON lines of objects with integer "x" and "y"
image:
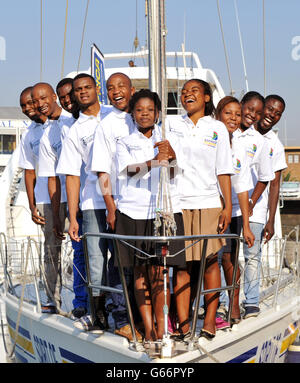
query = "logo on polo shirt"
{"x": 271, "y": 152}
{"x": 34, "y": 145}
{"x": 238, "y": 166}
{"x": 56, "y": 147}
{"x": 176, "y": 131}
{"x": 252, "y": 151}
{"x": 87, "y": 140}
{"x": 211, "y": 141}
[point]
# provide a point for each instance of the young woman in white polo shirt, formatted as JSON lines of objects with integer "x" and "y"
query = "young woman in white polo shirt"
{"x": 206, "y": 149}
{"x": 229, "y": 112}
{"x": 260, "y": 162}
{"x": 139, "y": 158}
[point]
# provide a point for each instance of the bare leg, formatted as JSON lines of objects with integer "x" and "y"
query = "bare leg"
{"x": 143, "y": 299}
{"x": 212, "y": 280}
{"x": 182, "y": 293}
{"x": 228, "y": 262}
{"x": 156, "y": 279}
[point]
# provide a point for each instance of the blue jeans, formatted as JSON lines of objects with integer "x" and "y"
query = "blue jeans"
{"x": 94, "y": 221}
{"x": 79, "y": 274}
{"x": 119, "y": 311}
{"x": 252, "y": 266}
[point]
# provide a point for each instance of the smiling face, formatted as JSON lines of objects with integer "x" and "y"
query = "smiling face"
{"x": 27, "y": 105}
{"x": 66, "y": 97}
{"x": 145, "y": 114}
{"x": 44, "y": 99}
{"x": 231, "y": 116}
{"x": 251, "y": 112}
{"x": 271, "y": 114}
{"x": 193, "y": 98}
{"x": 85, "y": 92}
{"x": 119, "y": 91}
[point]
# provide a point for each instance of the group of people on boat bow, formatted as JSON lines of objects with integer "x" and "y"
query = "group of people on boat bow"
{"x": 98, "y": 167}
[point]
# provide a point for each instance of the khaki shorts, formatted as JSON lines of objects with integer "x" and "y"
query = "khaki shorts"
{"x": 202, "y": 222}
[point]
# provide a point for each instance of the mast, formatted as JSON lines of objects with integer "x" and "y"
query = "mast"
{"x": 164, "y": 223}
{"x": 156, "y": 47}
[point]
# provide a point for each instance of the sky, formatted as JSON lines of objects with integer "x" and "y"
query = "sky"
{"x": 112, "y": 25}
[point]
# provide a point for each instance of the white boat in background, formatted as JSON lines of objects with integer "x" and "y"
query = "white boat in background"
{"x": 181, "y": 66}
{"x": 36, "y": 337}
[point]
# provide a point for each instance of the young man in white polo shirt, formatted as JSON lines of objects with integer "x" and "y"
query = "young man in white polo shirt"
{"x": 64, "y": 90}
{"x": 36, "y": 187}
{"x": 261, "y": 170}
{"x": 58, "y": 122}
{"x": 118, "y": 124}
{"x": 273, "y": 110}
{"x": 83, "y": 193}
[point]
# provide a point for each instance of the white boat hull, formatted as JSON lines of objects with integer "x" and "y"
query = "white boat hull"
{"x": 46, "y": 338}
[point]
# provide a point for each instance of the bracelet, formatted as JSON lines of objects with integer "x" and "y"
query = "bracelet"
{"x": 250, "y": 200}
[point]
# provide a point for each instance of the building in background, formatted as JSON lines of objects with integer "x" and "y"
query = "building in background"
{"x": 12, "y": 124}
{"x": 292, "y": 156}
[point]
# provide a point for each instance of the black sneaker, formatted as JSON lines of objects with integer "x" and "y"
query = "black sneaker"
{"x": 251, "y": 311}
{"x": 79, "y": 312}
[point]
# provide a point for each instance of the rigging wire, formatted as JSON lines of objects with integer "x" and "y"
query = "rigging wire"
{"x": 82, "y": 36}
{"x": 225, "y": 50}
{"x": 241, "y": 44}
{"x": 264, "y": 39}
{"x": 41, "y": 42}
{"x": 136, "y": 40}
{"x": 64, "y": 48}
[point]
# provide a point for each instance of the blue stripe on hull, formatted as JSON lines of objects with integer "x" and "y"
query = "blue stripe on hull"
{"x": 245, "y": 356}
{"x": 21, "y": 330}
{"x": 20, "y": 358}
{"x": 73, "y": 357}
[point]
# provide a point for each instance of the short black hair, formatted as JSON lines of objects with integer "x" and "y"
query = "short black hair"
{"x": 144, "y": 93}
{"x": 275, "y": 97}
{"x": 82, "y": 75}
{"x": 119, "y": 74}
{"x": 28, "y": 89}
{"x": 63, "y": 82}
{"x": 250, "y": 95}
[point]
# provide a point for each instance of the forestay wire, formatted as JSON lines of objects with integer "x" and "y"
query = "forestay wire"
{"x": 164, "y": 211}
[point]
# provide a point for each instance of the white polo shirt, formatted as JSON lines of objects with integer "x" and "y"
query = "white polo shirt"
{"x": 50, "y": 147}
{"x": 138, "y": 194}
{"x": 29, "y": 159}
{"x": 206, "y": 154}
{"x": 116, "y": 125}
{"x": 258, "y": 154}
{"x": 76, "y": 152}
{"x": 241, "y": 181}
{"x": 277, "y": 156}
